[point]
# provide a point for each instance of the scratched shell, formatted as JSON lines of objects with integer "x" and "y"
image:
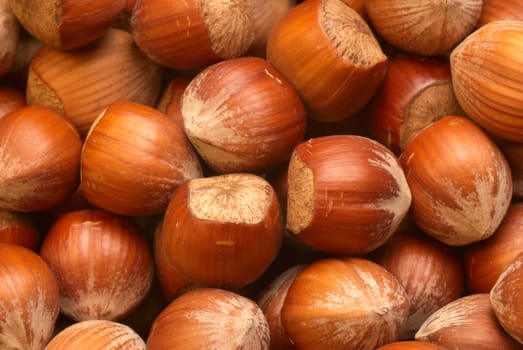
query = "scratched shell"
{"x": 346, "y": 194}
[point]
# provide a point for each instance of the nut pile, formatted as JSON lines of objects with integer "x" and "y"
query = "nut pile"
{"x": 261, "y": 174}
